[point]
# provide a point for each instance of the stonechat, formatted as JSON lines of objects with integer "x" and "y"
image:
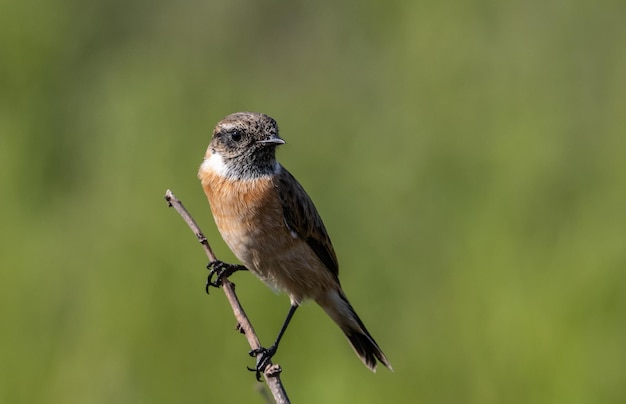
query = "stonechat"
{"x": 271, "y": 225}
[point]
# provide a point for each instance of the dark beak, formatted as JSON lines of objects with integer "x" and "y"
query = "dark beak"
{"x": 274, "y": 140}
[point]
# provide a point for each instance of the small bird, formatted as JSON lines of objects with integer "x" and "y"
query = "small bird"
{"x": 271, "y": 225}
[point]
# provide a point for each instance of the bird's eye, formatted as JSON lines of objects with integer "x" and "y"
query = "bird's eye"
{"x": 235, "y": 135}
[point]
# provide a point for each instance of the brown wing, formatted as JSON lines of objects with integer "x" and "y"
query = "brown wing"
{"x": 302, "y": 218}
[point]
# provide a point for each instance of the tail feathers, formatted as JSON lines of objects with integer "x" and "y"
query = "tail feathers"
{"x": 367, "y": 349}
{"x": 340, "y": 310}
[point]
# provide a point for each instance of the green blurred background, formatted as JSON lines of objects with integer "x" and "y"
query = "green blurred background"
{"x": 468, "y": 159}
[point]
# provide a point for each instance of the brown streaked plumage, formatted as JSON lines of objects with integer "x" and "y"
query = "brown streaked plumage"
{"x": 271, "y": 225}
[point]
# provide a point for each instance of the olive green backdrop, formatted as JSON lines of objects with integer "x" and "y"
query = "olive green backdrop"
{"x": 468, "y": 158}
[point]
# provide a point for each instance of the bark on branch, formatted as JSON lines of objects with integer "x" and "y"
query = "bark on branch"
{"x": 272, "y": 372}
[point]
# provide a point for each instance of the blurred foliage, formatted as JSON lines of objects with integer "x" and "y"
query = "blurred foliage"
{"x": 468, "y": 160}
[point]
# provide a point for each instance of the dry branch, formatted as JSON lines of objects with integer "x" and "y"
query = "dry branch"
{"x": 272, "y": 372}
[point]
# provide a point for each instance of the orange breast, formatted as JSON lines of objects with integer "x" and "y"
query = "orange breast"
{"x": 248, "y": 213}
{"x": 249, "y": 216}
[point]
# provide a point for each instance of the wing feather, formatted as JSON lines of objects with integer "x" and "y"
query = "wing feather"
{"x": 302, "y": 218}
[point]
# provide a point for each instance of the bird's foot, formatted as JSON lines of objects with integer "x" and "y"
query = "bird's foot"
{"x": 262, "y": 361}
{"x": 220, "y": 270}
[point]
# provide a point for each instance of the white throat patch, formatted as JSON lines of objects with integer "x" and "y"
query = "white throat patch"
{"x": 216, "y": 164}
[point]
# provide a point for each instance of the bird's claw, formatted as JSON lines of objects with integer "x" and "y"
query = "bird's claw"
{"x": 263, "y": 361}
{"x": 220, "y": 270}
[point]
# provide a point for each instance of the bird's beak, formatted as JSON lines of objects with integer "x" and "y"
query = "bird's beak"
{"x": 275, "y": 140}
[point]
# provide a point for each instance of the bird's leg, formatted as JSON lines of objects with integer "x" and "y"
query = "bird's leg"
{"x": 220, "y": 270}
{"x": 267, "y": 353}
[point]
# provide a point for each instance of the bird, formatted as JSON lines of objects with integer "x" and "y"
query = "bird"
{"x": 271, "y": 225}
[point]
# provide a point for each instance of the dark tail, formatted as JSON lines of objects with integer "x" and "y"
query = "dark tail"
{"x": 340, "y": 310}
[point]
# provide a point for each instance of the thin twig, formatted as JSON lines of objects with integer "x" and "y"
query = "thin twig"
{"x": 272, "y": 372}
